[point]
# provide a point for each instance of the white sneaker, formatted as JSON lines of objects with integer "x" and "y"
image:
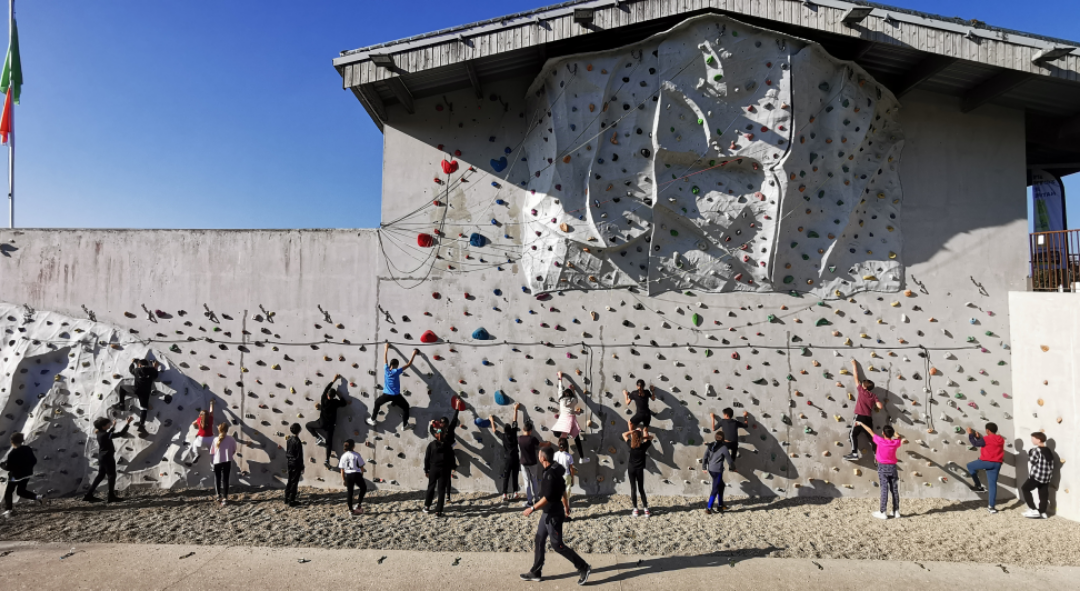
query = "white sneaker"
{"x": 896, "y": 515}
{"x": 879, "y": 515}
{"x": 586, "y": 460}
{"x": 991, "y": 510}
{"x": 8, "y": 513}
{"x": 1031, "y": 513}
{"x": 1043, "y": 516}
{"x": 370, "y": 421}
{"x": 405, "y": 427}
{"x": 634, "y": 514}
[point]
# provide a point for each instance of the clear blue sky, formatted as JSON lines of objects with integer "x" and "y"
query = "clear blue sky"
{"x": 228, "y": 114}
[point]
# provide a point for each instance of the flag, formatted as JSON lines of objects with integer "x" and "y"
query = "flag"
{"x": 12, "y": 76}
{"x": 5, "y": 120}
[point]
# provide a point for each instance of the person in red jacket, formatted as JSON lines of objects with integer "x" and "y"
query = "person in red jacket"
{"x": 990, "y": 459}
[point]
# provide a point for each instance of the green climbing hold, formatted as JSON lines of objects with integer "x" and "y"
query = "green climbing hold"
{"x": 822, "y": 322}
{"x": 674, "y": 232}
{"x": 710, "y": 60}
{"x": 734, "y": 33}
{"x": 820, "y": 194}
{"x": 958, "y": 429}
{"x": 788, "y": 279}
{"x": 807, "y": 430}
{"x": 708, "y": 352}
{"x": 695, "y": 190}
{"x": 971, "y": 339}
{"x": 712, "y": 163}
{"x": 832, "y": 268}
{"x": 700, "y": 121}
{"x": 805, "y": 257}
{"x": 959, "y": 395}
{"x": 794, "y": 244}
{"x": 790, "y": 378}
{"x": 989, "y": 333}
{"x": 812, "y": 234}
{"x": 718, "y": 77}
{"x": 696, "y": 319}
{"x": 824, "y": 86}
{"x": 1001, "y": 363}
{"x": 846, "y": 103}
{"x": 813, "y": 157}
{"x": 772, "y": 318}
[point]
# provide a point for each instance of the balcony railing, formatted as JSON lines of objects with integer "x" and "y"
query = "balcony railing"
{"x": 1055, "y": 260}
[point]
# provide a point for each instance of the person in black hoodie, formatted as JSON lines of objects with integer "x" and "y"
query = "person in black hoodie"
{"x": 19, "y": 464}
{"x": 323, "y": 429}
{"x": 145, "y": 373}
{"x": 105, "y": 431}
{"x": 294, "y": 455}
{"x": 552, "y": 487}
{"x": 513, "y": 461}
{"x": 439, "y": 463}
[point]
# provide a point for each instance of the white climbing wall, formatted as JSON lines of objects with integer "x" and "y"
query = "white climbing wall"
{"x": 713, "y": 157}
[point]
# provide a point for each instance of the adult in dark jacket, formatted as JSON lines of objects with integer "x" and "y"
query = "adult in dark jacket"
{"x": 294, "y": 457}
{"x": 439, "y": 463}
{"x": 105, "y": 432}
{"x": 323, "y": 429}
{"x": 19, "y": 464}
{"x": 552, "y": 487}
{"x": 145, "y": 373}
{"x": 716, "y": 453}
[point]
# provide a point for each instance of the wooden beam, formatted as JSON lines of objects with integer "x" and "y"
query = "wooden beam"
{"x": 926, "y": 69}
{"x": 474, "y": 80}
{"x": 401, "y": 93}
{"x": 996, "y": 86}
{"x": 372, "y": 104}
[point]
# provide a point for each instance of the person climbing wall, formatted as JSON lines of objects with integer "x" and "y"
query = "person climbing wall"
{"x": 392, "y": 388}
{"x": 730, "y": 427}
{"x": 991, "y": 456}
{"x": 105, "y": 432}
{"x": 512, "y": 463}
{"x": 323, "y": 429}
{"x": 204, "y": 434}
{"x": 566, "y": 425}
{"x": 145, "y": 373}
{"x": 640, "y": 398}
{"x": 439, "y": 463}
{"x": 864, "y": 406}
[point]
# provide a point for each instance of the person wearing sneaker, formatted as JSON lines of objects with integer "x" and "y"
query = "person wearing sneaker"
{"x": 439, "y": 463}
{"x": 639, "y": 443}
{"x": 552, "y": 488}
{"x": 323, "y": 429}
{"x": 564, "y": 459}
{"x": 204, "y": 436}
{"x": 566, "y": 425}
{"x": 716, "y": 453}
{"x": 990, "y": 458}
{"x": 730, "y": 428}
{"x": 865, "y": 404}
{"x": 352, "y": 476}
{"x": 643, "y": 416}
{"x": 105, "y": 432}
{"x": 145, "y": 373}
{"x": 392, "y": 388}
{"x": 1040, "y": 471}
{"x": 294, "y": 458}
{"x": 529, "y": 444}
{"x": 888, "y": 477}
{"x": 19, "y": 464}
{"x": 512, "y": 464}
{"x": 221, "y": 454}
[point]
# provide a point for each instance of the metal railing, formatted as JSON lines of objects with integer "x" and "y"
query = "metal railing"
{"x": 1055, "y": 260}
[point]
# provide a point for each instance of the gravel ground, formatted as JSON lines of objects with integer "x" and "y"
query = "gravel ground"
{"x": 930, "y": 530}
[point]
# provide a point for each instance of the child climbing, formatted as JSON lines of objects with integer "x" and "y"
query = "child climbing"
{"x": 730, "y": 428}
{"x": 105, "y": 432}
{"x": 566, "y": 425}
{"x": 294, "y": 458}
{"x": 392, "y": 388}
{"x": 204, "y": 436}
{"x": 639, "y": 441}
{"x": 323, "y": 429}
{"x": 990, "y": 458}
{"x": 145, "y": 373}
{"x": 222, "y": 451}
{"x": 439, "y": 463}
{"x": 865, "y": 404}
{"x": 886, "y": 445}
{"x": 1040, "y": 471}
{"x": 716, "y": 453}
{"x": 641, "y": 398}
{"x": 529, "y": 445}
{"x": 19, "y": 464}
{"x": 564, "y": 459}
{"x": 510, "y": 448}
{"x": 352, "y": 476}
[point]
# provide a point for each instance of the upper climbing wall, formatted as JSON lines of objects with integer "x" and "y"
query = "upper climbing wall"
{"x": 715, "y": 157}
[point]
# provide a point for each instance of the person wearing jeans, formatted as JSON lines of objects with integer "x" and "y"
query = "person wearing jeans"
{"x": 222, "y": 452}
{"x": 716, "y": 453}
{"x": 990, "y": 460}
{"x": 528, "y": 445}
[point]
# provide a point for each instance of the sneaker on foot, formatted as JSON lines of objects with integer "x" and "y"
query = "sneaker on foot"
{"x": 426, "y": 509}
{"x": 586, "y": 460}
{"x": 1043, "y": 516}
{"x": 8, "y": 513}
{"x": 896, "y": 515}
{"x": 991, "y": 510}
{"x": 530, "y": 576}
{"x": 647, "y": 514}
{"x": 583, "y": 575}
{"x": 634, "y": 514}
{"x": 370, "y": 422}
{"x": 879, "y": 515}
{"x": 1029, "y": 513}
{"x": 852, "y": 457}
{"x": 708, "y": 511}
{"x": 91, "y": 499}
{"x": 979, "y": 489}
{"x": 114, "y": 499}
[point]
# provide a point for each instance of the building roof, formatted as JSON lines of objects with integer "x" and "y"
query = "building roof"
{"x": 903, "y": 49}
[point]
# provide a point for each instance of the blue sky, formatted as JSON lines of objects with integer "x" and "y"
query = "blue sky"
{"x": 228, "y": 114}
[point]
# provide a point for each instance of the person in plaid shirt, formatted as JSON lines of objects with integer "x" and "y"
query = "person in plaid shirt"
{"x": 1040, "y": 470}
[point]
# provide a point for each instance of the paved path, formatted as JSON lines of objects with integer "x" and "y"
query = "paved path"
{"x": 31, "y": 565}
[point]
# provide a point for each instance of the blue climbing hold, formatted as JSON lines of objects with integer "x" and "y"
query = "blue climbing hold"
{"x": 507, "y": 150}
{"x": 478, "y": 240}
{"x": 500, "y": 202}
{"x": 501, "y": 398}
{"x": 498, "y": 292}
{"x": 498, "y": 165}
{"x": 482, "y": 423}
{"x": 481, "y": 334}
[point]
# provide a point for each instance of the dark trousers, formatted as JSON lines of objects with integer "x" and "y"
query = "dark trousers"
{"x": 106, "y": 469}
{"x": 397, "y": 400}
{"x": 856, "y": 430}
{"x": 221, "y": 479}
{"x": 438, "y": 483}
{"x": 144, "y": 401}
{"x": 887, "y": 481}
{"x": 1029, "y": 485}
{"x": 17, "y": 487}
{"x": 643, "y": 418}
{"x": 637, "y": 483}
{"x": 577, "y": 442}
{"x": 355, "y": 480}
{"x": 325, "y": 432}
{"x": 733, "y": 449}
{"x": 551, "y": 527}
{"x": 291, "y": 487}
{"x": 510, "y": 475}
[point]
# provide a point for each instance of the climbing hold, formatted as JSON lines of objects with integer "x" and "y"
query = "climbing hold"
{"x": 481, "y": 334}
{"x": 477, "y": 240}
{"x": 449, "y": 167}
{"x": 498, "y": 165}
{"x": 501, "y": 399}
{"x": 696, "y": 319}
{"x": 424, "y": 240}
{"x": 428, "y": 337}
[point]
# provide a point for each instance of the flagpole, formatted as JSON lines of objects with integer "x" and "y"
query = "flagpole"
{"x": 11, "y": 146}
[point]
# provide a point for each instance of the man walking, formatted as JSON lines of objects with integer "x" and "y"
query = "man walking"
{"x": 552, "y": 487}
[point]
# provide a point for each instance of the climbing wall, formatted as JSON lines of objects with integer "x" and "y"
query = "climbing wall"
{"x": 270, "y": 317}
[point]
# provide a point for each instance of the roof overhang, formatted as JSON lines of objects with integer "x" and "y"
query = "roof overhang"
{"x": 902, "y": 49}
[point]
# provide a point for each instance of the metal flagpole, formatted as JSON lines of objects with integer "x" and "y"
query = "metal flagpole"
{"x": 11, "y": 139}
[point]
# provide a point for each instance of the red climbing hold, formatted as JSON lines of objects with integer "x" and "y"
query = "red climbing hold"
{"x": 457, "y": 403}
{"x": 436, "y": 295}
{"x": 428, "y": 337}
{"x": 449, "y": 167}
{"x": 424, "y": 240}
{"x": 735, "y": 356}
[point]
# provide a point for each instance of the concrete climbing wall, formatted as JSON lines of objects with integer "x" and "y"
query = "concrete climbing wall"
{"x": 293, "y": 308}
{"x": 1046, "y": 330}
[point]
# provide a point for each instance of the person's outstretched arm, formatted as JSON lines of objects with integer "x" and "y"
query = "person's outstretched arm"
{"x": 712, "y": 416}
{"x": 626, "y": 395}
{"x": 386, "y": 354}
{"x": 652, "y": 391}
{"x": 868, "y": 429}
{"x": 626, "y": 436}
{"x": 855, "y": 373}
{"x": 329, "y": 387}
{"x": 745, "y": 422}
{"x": 494, "y": 429}
{"x": 517, "y": 405}
{"x": 411, "y": 358}
{"x": 123, "y": 431}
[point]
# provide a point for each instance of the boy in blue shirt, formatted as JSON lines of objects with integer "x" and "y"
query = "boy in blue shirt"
{"x": 392, "y": 388}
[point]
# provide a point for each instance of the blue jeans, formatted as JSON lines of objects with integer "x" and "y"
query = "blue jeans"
{"x": 717, "y": 493}
{"x": 992, "y": 470}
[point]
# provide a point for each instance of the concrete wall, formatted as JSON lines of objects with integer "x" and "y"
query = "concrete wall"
{"x": 964, "y": 222}
{"x": 1046, "y": 375}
